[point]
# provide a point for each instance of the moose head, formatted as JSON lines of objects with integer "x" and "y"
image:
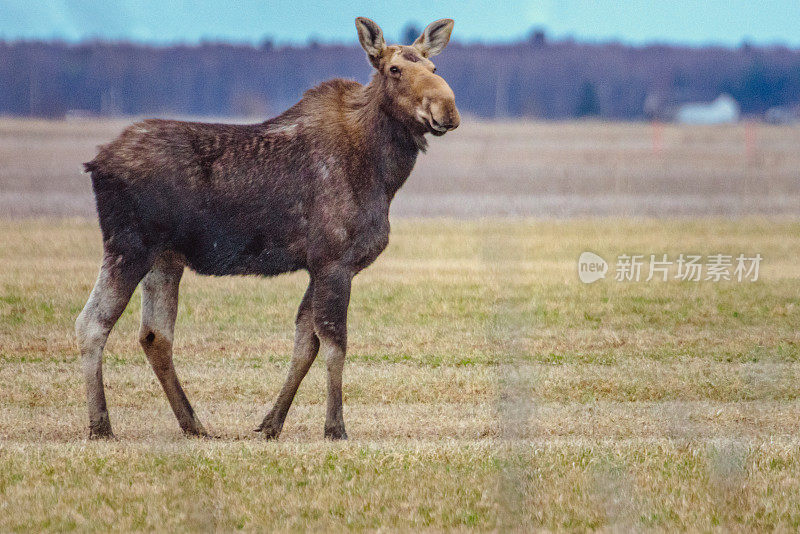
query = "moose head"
{"x": 413, "y": 93}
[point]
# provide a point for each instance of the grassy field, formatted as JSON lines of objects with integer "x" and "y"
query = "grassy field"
{"x": 486, "y": 387}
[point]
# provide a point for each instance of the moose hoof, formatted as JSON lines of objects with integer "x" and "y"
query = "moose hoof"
{"x": 270, "y": 427}
{"x": 194, "y": 428}
{"x": 335, "y": 433}
{"x": 94, "y": 435}
{"x": 195, "y": 433}
{"x": 269, "y": 433}
{"x": 269, "y": 430}
{"x": 101, "y": 429}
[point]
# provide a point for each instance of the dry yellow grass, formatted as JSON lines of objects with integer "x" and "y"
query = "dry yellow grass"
{"x": 486, "y": 387}
{"x": 486, "y": 169}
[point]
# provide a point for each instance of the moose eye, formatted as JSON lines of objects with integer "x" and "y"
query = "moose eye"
{"x": 394, "y": 70}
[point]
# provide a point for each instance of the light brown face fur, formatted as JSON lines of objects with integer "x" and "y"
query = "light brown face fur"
{"x": 415, "y": 94}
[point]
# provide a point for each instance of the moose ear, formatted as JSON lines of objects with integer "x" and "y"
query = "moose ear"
{"x": 371, "y": 38}
{"x": 435, "y": 37}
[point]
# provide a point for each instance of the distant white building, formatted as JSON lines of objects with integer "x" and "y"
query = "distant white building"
{"x": 723, "y": 110}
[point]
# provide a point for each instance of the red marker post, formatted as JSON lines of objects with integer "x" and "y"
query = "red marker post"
{"x": 750, "y": 140}
{"x": 658, "y": 137}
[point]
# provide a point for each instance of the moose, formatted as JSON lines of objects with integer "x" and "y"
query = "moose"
{"x": 309, "y": 189}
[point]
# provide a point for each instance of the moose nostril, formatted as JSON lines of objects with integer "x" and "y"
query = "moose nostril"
{"x": 444, "y": 125}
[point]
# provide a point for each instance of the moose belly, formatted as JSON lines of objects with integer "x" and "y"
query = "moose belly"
{"x": 231, "y": 239}
{"x": 239, "y": 257}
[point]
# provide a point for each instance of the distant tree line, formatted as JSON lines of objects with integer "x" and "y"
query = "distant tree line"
{"x": 534, "y": 78}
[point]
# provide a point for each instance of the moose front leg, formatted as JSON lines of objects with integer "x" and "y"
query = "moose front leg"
{"x": 306, "y": 345}
{"x": 331, "y": 298}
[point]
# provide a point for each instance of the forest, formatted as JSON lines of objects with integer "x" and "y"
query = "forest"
{"x": 535, "y": 78}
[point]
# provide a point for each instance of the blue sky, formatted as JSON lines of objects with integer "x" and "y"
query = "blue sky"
{"x": 727, "y": 22}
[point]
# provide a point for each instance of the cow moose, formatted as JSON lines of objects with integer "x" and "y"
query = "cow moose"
{"x": 309, "y": 189}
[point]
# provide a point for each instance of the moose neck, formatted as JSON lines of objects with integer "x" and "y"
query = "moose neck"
{"x": 390, "y": 147}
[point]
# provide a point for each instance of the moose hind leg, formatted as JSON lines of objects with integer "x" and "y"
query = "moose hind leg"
{"x": 112, "y": 291}
{"x": 159, "y": 309}
{"x": 306, "y": 345}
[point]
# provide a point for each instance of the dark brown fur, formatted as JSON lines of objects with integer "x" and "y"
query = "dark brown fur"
{"x": 309, "y": 189}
